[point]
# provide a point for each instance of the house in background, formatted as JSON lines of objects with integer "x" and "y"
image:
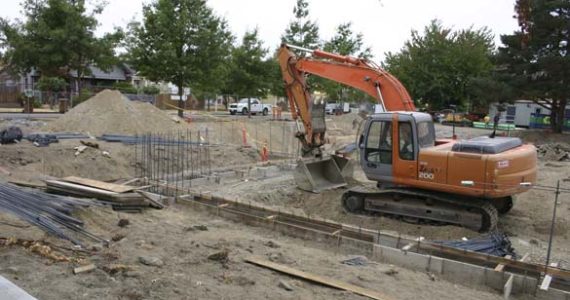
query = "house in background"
{"x": 525, "y": 113}
{"x": 12, "y": 86}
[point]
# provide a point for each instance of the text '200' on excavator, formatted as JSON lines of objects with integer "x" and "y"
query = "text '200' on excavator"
{"x": 420, "y": 178}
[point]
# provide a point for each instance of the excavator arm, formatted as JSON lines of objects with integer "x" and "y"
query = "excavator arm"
{"x": 354, "y": 72}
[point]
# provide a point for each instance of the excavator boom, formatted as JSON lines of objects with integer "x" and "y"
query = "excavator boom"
{"x": 354, "y": 72}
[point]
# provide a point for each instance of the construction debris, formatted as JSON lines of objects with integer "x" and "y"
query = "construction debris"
{"x": 356, "y": 261}
{"x": 497, "y": 244}
{"x": 44, "y": 139}
{"x": 285, "y": 285}
{"x": 90, "y": 144}
{"x": 11, "y": 135}
{"x": 48, "y": 212}
{"x": 554, "y": 151}
{"x": 151, "y": 261}
{"x": 123, "y": 222}
{"x": 120, "y": 197}
{"x": 221, "y": 256}
{"x": 83, "y": 269}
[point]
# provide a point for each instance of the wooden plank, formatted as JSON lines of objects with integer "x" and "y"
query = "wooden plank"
{"x": 86, "y": 268}
{"x": 85, "y": 191}
{"x": 501, "y": 267}
{"x": 317, "y": 278}
{"x": 112, "y": 187}
{"x": 154, "y": 199}
{"x": 10, "y": 291}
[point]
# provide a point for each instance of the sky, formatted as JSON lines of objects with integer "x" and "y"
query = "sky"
{"x": 385, "y": 24}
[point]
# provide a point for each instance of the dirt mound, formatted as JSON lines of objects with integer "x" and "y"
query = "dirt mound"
{"x": 554, "y": 151}
{"x": 112, "y": 113}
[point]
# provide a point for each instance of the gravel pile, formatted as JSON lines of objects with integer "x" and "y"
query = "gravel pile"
{"x": 112, "y": 113}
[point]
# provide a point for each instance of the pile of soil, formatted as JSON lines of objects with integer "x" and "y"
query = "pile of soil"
{"x": 112, "y": 113}
{"x": 554, "y": 151}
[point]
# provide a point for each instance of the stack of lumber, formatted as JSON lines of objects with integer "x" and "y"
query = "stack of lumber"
{"x": 120, "y": 197}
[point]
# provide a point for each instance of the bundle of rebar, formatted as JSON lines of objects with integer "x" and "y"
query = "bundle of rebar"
{"x": 163, "y": 141}
{"x": 51, "y": 213}
{"x": 495, "y": 243}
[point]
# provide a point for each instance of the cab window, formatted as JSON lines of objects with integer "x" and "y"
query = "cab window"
{"x": 406, "y": 145}
{"x": 379, "y": 143}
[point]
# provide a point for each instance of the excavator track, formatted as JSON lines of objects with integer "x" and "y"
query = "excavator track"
{"x": 419, "y": 205}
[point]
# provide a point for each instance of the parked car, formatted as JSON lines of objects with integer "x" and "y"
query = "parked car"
{"x": 256, "y": 107}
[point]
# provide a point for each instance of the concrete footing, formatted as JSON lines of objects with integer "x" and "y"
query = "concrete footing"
{"x": 450, "y": 270}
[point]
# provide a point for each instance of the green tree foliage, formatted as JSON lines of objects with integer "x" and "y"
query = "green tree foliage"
{"x": 182, "y": 42}
{"x": 58, "y": 36}
{"x": 437, "y": 66}
{"x": 125, "y": 87}
{"x": 151, "y": 90}
{"x": 250, "y": 71}
{"x": 51, "y": 84}
{"x": 302, "y": 31}
{"x": 536, "y": 58}
{"x": 275, "y": 79}
{"x": 344, "y": 42}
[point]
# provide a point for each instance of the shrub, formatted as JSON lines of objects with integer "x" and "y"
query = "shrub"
{"x": 125, "y": 87}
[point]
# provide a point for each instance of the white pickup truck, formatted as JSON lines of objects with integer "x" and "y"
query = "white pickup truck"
{"x": 256, "y": 107}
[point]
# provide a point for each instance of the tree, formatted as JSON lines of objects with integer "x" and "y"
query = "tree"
{"x": 302, "y": 31}
{"x": 251, "y": 70}
{"x": 436, "y": 67}
{"x": 344, "y": 42}
{"x": 536, "y": 58}
{"x": 51, "y": 85}
{"x": 182, "y": 42}
{"x": 58, "y": 37}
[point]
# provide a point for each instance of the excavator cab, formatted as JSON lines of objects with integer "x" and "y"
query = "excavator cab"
{"x": 390, "y": 145}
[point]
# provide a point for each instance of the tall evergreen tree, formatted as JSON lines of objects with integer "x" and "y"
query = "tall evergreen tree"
{"x": 250, "y": 67}
{"x": 302, "y": 31}
{"x": 182, "y": 42}
{"x": 536, "y": 58}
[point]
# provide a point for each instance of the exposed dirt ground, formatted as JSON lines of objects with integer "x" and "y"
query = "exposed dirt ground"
{"x": 187, "y": 273}
{"x": 183, "y": 270}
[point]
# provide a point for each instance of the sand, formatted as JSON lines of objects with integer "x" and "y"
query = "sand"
{"x": 112, "y": 113}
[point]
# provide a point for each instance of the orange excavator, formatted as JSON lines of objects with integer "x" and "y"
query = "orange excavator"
{"x": 420, "y": 178}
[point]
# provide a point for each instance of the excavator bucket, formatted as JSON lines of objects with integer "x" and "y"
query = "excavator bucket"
{"x": 319, "y": 174}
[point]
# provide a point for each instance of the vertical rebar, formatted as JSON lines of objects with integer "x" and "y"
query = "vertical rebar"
{"x": 208, "y": 152}
{"x": 191, "y": 157}
{"x": 136, "y": 157}
{"x": 552, "y": 224}
{"x": 187, "y": 162}
{"x": 179, "y": 161}
{"x": 282, "y": 138}
{"x": 270, "y": 151}
{"x": 199, "y": 153}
